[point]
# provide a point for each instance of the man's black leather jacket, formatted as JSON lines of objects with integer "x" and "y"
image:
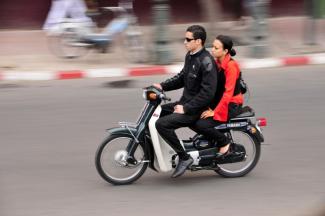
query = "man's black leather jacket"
{"x": 199, "y": 79}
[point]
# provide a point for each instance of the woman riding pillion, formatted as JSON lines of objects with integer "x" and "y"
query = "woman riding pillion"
{"x": 229, "y": 99}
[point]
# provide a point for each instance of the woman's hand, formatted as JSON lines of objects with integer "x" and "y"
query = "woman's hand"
{"x": 207, "y": 113}
{"x": 179, "y": 109}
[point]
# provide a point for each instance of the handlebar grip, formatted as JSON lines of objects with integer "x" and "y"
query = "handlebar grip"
{"x": 164, "y": 97}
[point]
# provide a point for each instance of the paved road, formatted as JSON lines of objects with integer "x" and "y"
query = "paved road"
{"x": 50, "y": 131}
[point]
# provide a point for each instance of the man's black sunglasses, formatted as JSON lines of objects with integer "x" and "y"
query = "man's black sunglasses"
{"x": 189, "y": 39}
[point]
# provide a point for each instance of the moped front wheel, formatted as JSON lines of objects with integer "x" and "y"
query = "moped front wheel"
{"x": 111, "y": 160}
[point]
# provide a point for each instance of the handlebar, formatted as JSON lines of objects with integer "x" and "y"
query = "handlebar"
{"x": 164, "y": 97}
{"x": 159, "y": 92}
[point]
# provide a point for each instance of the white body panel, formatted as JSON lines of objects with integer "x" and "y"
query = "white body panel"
{"x": 163, "y": 151}
{"x": 196, "y": 157}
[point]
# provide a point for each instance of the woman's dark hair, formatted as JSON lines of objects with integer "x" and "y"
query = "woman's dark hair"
{"x": 198, "y": 32}
{"x": 227, "y": 44}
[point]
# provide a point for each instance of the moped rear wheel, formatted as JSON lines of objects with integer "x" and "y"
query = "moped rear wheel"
{"x": 111, "y": 161}
{"x": 253, "y": 151}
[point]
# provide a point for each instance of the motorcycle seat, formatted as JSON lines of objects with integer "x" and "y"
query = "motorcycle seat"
{"x": 246, "y": 112}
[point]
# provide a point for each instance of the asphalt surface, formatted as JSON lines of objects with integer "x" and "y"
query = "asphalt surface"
{"x": 50, "y": 131}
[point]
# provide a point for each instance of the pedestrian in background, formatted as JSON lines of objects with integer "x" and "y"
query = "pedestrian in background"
{"x": 61, "y": 9}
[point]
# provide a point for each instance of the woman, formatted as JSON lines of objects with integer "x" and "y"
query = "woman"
{"x": 228, "y": 97}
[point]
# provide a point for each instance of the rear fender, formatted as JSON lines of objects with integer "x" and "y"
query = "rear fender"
{"x": 255, "y": 131}
{"x": 249, "y": 128}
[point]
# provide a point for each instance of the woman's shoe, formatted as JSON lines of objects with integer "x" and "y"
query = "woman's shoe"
{"x": 220, "y": 155}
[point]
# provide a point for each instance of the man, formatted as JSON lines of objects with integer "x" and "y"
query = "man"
{"x": 199, "y": 79}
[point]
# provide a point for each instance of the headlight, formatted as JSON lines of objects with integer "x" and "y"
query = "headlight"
{"x": 149, "y": 95}
{"x": 152, "y": 96}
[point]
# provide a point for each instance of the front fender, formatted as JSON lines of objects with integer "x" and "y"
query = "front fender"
{"x": 147, "y": 145}
{"x": 122, "y": 131}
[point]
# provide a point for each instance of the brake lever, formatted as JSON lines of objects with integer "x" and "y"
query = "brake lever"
{"x": 164, "y": 97}
{"x": 167, "y": 99}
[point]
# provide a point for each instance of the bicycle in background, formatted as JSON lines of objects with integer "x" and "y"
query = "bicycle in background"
{"x": 72, "y": 38}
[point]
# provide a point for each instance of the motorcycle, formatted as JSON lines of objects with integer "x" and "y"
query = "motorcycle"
{"x": 126, "y": 153}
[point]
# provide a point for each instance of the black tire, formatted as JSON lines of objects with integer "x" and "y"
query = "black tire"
{"x": 251, "y": 163}
{"x": 105, "y": 170}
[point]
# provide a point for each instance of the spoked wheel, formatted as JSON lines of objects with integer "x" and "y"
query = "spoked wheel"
{"x": 67, "y": 44}
{"x": 111, "y": 161}
{"x": 253, "y": 151}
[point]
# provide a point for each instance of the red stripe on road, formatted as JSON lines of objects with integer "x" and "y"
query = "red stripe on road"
{"x": 70, "y": 75}
{"x": 145, "y": 71}
{"x": 290, "y": 61}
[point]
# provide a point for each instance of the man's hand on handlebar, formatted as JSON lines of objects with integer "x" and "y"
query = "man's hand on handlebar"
{"x": 157, "y": 85}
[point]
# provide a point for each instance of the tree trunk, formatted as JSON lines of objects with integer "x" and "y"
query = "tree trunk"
{"x": 211, "y": 15}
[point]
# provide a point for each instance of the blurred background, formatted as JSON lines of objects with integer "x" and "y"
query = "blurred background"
{"x": 50, "y": 130}
{"x": 18, "y": 15}
{"x": 260, "y": 29}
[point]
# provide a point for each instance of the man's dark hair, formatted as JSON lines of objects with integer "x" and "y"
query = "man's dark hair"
{"x": 198, "y": 32}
